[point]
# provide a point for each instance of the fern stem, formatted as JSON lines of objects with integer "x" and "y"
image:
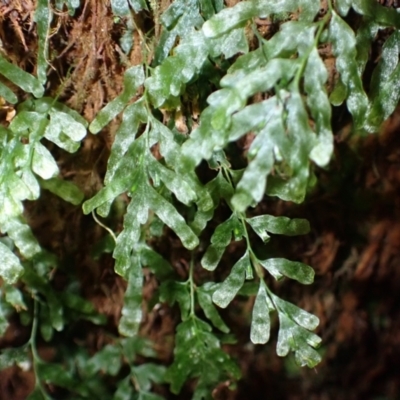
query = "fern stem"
{"x": 104, "y": 226}
{"x": 32, "y": 344}
{"x": 191, "y": 282}
{"x": 321, "y": 24}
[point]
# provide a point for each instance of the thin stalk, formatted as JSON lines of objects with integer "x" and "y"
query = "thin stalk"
{"x": 303, "y": 63}
{"x": 192, "y": 284}
{"x": 104, "y": 226}
{"x": 32, "y": 342}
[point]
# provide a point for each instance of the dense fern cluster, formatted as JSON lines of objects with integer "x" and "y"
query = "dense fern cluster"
{"x": 221, "y": 53}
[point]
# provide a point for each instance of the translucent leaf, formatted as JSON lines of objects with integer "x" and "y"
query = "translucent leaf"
{"x": 253, "y": 182}
{"x": 47, "y": 105}
{"x": 8, "y": 94}
{"x": 278, "y": 225}
{"x": 294, "y": 147}
{"x": 108, "y": 193}
{"x": 260, "y": 79}
{"x": 16, "y": 75}
{"x": 385, "y": 84}
{"x": 72, "y": 5}
{"x": 203, "y": 141}
{"x": 22, "y": 236}
{"x": 147, "y": 374}
{"x": 64, "y": 129}
{"x": 55, "y": 374}
{"x": 137, "y": 345}
{"x": 43, "y": 163}
{"x": 136, "y": 214}
{"x": 168, "y": 79}
{"x": 301, "y": 341}
{"x": 344, "y": 49}
{"x": 120, "y": 7}
{"x": 133, "y": 78}
{"x": 157, "y": 264}
{"x": 124, "y": 389}
{"x": 343, "y": 6}
{"x": 43, "y": 17}
{"x": 221, "y": 238}
{"x": 231, "y": 17}
{"x": 132, "y": 309}
{"x": 279, "y": 267}
{"x": 174, "y": 182}
{"x": 108, "y": 360}
{"x": 308, "y": 10}
{"x": 172, "y": 291}
{"x": 168, "y": 214}
{"x": 204, "y": 296}
{"x": 52, "y": 309}
{"x": 315, "y": 78}
{"x": 67, "y": 190}
{"x": 233, "y": 42}
{"x": 10, "y": 267}
{"x": 13, "y": 296}
{"x": 300, "y": 316}
{"x": 198, "y": 354}
{"x": 179, "y": 19}
{"x": 338, "y": 94}
{"x": 208, "y": 8}
{"x": 227, "y": 290}
{"x": 366, "y": 33}
{"x": 67, "y": 124}
{"x": 252, "y": 118}
{"x": 31, "y": 183}
{"x": 138, "y": 5}
{"x": 260, "y": 320}
{"x": 134, "y": 114}
{"x": 379, "y": 13}
{"x": 27, "y": 121}
{"x": 11, "y": 356}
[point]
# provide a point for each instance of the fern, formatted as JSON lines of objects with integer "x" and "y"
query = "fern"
{"x": 273, "y": 88}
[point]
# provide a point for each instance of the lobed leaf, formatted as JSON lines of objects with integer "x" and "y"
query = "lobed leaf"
{"x": 8, "y": 94}
{"x": 278, "y": 225}
{"x": 231, "y": 17}
{"x": 227, "y": 290}
{"x": 43, "y": 163}
{"x": 344, "y": 49}
{"x": 172, "y": 291}
{"x": 133, "y": 79}
{"x": 379, "y": 13}
{"x": 260, "y": 320}
{"x": 66, "y": 190}
{"x": 10, "y": 267}
{"x": 43, "y": 17}
{"x": 385, "y": 86}
{"x": 169, "y": 78}
{"x": 279, "y": 267}
{"x": 11, "y": 356}
{"x": 178, "y": 19}
{"x": 204, "y": 296}
{"x": 121, "y": 7}
{"x": 315, "y": 78}
{"x": 198, "y": 355}
{"x": 131, "y": 314}
{"x": 19, "y": 77}
{"x": 295, "y": 338}
{"x": 220, "y": 239}
{"x": 107, "y": 360}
